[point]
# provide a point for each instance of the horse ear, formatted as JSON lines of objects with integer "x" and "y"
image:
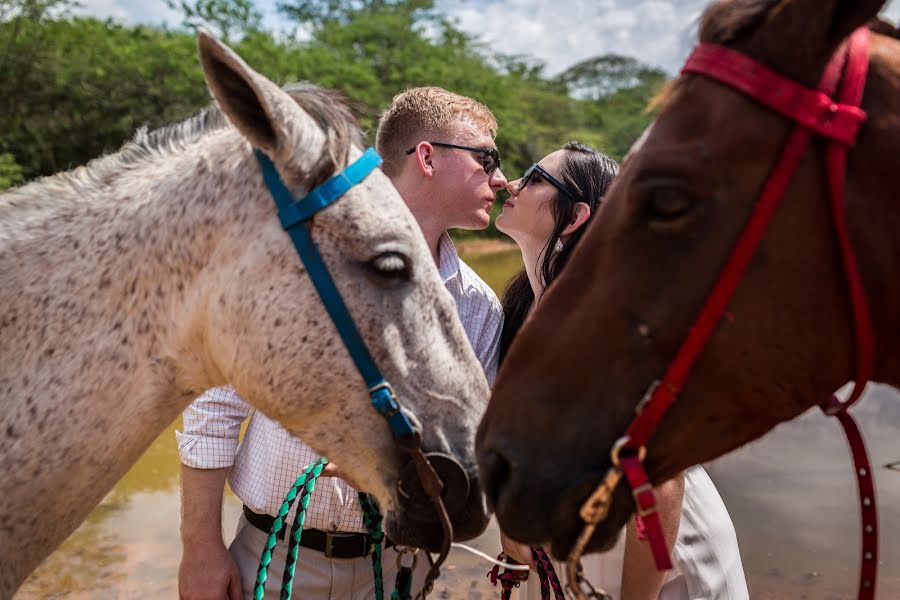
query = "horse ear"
{"x": 849, "y": 15}
{"x": 824, "y": 23}
{"x": 799, "y": 36}
{"x": 249, "y": 100}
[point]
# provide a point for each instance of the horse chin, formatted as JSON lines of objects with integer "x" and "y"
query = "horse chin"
{"x": 568, "y": 525}
{"x": 468, "y": 522}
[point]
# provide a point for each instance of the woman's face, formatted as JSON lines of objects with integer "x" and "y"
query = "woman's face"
{"x": 527, "y": 215}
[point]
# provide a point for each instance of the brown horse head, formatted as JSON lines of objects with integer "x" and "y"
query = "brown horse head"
{"x": 609, "y": 326}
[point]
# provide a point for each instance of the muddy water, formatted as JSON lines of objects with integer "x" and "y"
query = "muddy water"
{"x": 791, "y": 496}
{"x": 793, "y": 499}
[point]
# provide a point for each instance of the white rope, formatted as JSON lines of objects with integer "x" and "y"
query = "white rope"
{"x": 481, "y": 554}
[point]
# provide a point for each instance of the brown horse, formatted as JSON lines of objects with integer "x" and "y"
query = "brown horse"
{"x": 613, "y": 321}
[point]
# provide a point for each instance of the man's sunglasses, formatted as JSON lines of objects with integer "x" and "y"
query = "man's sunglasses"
{"x": 490, "y": 158}
{"x": 541, "y": 172}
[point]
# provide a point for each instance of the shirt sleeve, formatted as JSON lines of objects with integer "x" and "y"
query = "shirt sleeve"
{"x": 488, "y": 347}
{"x": 212, "y": 427}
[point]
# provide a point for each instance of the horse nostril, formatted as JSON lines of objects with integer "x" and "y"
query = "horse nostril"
{"x": 496, "y": 471}
{"x": 455, "y": 492}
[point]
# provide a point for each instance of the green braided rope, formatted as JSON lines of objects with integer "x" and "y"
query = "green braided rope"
{"x": 403, "y": 589}
{"x": 266, "y": 558}
{"x": 287, "y": 581}
{"x": 372, "y": 518}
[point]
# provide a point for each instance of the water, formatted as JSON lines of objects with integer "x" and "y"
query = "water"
{"x": 791, "y": 495}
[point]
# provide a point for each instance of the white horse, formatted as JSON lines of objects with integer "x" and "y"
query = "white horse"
{"x": 131, "y": 285}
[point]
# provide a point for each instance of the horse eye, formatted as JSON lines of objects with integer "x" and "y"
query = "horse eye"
{"x": 390, "y": 265}
{"x": 668, "y": 203}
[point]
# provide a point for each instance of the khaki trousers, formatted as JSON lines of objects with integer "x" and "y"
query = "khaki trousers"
{"x": 315, "y": 576}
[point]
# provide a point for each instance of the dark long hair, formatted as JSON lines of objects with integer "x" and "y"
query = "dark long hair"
{"x": 588, "y": 173}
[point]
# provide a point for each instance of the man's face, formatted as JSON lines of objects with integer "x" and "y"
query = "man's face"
{"x": 462, "y": 190}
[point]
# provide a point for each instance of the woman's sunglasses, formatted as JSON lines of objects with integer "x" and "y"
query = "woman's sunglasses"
{"x": 541, "y": 172}
{"x": 490, "y": 157}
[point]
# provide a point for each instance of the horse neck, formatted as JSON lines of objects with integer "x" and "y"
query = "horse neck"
{"x": 877, "y": 243}
{"x": 103, "y": 288}
{"x": 873, "y": 214}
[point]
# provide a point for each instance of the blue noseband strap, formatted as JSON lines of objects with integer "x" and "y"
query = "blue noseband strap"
{"x": 295, "y": 216}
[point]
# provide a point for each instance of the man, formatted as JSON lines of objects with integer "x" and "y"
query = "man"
{"x": 439, "y": 151}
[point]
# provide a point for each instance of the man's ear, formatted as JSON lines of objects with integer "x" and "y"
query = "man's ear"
{"x": 424, "y": 154}
{"x": 579, "y": 218}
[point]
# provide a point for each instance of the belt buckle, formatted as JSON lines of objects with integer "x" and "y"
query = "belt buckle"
{"x": 330, "y": 536}
{"x": 329, "y": 541}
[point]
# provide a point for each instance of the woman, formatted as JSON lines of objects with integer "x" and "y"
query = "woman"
{"x": 547, "y": 213}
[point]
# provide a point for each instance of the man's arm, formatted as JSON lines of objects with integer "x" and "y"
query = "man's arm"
{"x": 207, "y": 569}
{"x": 207, "y": 447}
{"x": 640, "y": 579}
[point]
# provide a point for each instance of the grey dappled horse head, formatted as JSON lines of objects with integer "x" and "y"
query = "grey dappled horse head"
{"x": 131, "y": 285}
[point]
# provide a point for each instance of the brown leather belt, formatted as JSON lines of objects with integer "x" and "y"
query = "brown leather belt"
{"x": 333, "y": 544}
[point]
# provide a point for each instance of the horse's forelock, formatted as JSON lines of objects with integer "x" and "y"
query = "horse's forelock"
{"x": 725, "y": 21}
{"x": 331, "y": 113}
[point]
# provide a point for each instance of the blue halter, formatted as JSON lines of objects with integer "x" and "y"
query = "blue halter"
{"x": 295, "y": 216}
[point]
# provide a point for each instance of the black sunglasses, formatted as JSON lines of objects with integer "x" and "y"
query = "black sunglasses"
{"x": 490, "y": 157}
{"x": 536, "y": 168}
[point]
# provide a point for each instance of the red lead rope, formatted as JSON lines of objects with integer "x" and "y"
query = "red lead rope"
{"x": 510, "y": 578}
{"x": 815, "y": 113}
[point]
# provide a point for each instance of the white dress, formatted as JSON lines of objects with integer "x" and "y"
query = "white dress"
{"x": 706, "y": 555}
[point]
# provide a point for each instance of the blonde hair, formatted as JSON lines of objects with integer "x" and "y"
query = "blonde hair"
{"x": 421, "y": 112}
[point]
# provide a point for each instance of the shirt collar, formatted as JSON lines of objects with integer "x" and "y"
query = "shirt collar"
{"x": 448, "y": 257}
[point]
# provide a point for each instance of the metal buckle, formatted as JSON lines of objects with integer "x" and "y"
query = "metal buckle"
{"x": 329, "y": 541}
{"x": 387, "y": 386}
{"x": 407, "y": 551}
{"x": 647, "y": 487}
{"x": 617, "y": 448}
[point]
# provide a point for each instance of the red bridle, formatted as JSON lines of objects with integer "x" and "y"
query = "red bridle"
{"x": 815, "y": 113}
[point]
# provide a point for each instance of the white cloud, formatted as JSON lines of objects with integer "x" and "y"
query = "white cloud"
{"x": 130, "y": 11}
{"x": 658, "y": 32}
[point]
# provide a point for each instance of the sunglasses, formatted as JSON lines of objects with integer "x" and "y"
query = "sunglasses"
{"x": 490, "y": 157}
{"x": 541, "y": 172}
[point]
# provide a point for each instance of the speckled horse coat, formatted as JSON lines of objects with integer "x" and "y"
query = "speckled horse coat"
{"x": 129, "y": 286}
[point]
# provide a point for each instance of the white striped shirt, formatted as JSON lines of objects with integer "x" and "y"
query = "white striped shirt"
{"x": 269, "y": 459}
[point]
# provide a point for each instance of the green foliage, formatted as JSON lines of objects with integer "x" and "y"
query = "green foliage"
{"x": 226, "y": 18}
{"x": 10, "y": 171}
{"x": 602, "y": 76}
{"x": 319, "y": 13}
{"x": 75, "y": 88}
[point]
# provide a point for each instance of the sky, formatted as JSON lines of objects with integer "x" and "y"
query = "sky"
{"x": 559, "y": 34}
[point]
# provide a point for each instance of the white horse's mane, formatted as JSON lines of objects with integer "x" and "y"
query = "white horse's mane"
{"x": 328, "y": 109}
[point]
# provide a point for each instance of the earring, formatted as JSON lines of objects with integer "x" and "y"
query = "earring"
{"x": 558, "y": 247}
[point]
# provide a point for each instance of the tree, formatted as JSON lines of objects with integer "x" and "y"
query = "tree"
{"x": 227, "y": 19}
{"x": 601, "y": 76}
{"x": 319, "y": 13}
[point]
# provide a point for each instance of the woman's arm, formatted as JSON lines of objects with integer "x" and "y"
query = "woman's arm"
{"x": 640, "y": 579}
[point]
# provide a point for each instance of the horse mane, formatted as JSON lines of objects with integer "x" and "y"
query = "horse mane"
{"x": 328, "y": 109}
